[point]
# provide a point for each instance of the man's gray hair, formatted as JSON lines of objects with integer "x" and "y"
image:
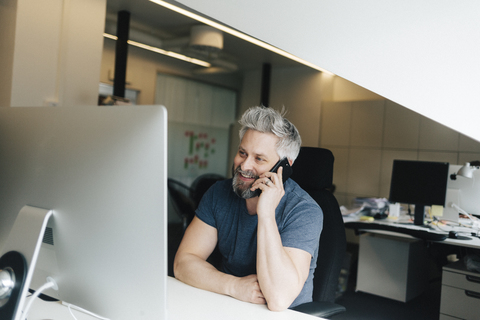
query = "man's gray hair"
{"x": 268, "y": 120}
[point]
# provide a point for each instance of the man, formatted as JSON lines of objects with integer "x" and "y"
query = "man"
{"x": 269, "y": 243}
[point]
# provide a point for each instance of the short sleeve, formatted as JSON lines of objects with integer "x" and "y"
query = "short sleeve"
{"x": 302, "y": 227}
{"x": 205, "y": 210}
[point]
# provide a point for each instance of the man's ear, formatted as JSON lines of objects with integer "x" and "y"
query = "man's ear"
{"x": 290, "y": 161}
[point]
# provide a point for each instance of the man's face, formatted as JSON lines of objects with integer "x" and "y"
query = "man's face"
{"x": 256, "y": 154}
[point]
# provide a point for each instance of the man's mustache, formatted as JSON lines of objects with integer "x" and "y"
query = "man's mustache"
{"x": 247, "y": 173}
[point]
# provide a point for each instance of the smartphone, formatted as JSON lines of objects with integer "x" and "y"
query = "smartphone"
{"x": 287, "y": 169}
{"x": 287, "y": 172}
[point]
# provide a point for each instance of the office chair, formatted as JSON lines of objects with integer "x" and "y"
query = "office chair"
{"x": 313, "y": 171}
{"x": 201, "y": 184}
{"x": 185, "y": 209}
{"x": 186, "y": 199}
{"x": 184, "y": 206}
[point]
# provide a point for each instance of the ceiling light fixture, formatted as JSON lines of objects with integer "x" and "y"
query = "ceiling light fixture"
{"x": 238, "y": 34}
{"x": 161, "y": 51}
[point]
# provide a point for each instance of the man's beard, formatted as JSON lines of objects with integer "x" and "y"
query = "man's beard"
{"x": 240, "y": 187}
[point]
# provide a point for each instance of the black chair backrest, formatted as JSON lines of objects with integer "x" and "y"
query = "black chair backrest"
{"x": 184, "y": 206}
{"x": 313, "y": 171}
{"x": 201, "y": 184}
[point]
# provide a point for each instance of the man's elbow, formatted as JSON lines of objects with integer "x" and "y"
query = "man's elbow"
{"x": 276, "y": 307}
{"x": 281, "y": 299}
{"x": 278, "y": 304}
{"x": 177, "y": 266}
{"x": 176, "y": 271}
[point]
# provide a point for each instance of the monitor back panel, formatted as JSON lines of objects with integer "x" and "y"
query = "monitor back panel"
{"x": 103, "y": 171}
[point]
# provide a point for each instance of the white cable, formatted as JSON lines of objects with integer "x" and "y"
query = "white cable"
{"x": 475, "y": 223}
{"x": 461, "y": 210}
{"x": 49, "y": 284}
{"x": 72, "y": 306}
{"x": 52, "y": 284}
{"x": 71, "y": 312}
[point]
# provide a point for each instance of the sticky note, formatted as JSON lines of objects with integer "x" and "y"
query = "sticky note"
{"x": 366, "y": 218}
{"x": 437, "y": 211}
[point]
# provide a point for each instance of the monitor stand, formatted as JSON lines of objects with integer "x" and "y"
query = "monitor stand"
{"x": 18, "y": 258}
{"x": 13, "y": 272}
{"x": 419, "y": 215}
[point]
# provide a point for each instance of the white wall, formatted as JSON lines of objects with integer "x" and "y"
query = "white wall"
{"x": 51, "y": 52}
{"x": 297, "y": 89}
{"x": 7, "y": 34}
{"x": 421, "y": 54}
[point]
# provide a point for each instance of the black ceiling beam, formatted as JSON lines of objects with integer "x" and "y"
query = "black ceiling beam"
{"x": 121, "y": 53}
{"x": 265, "y": 90}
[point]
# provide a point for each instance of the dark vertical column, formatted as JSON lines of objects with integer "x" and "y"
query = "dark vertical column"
{"x": 121, "y": 52}
{"x": 265, "y": 93}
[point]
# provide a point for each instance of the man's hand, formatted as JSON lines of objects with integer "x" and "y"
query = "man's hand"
{"x": 272, "y": 191}
{"x": 281, "y": 271}
{"x": 247, "y": 289}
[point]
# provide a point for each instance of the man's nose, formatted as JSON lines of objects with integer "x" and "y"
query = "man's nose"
{"x": 247, "y": 164}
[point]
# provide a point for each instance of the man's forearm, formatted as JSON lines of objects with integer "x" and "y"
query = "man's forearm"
{"x": 199, "y": 273}
{"x": 278, "y": 277}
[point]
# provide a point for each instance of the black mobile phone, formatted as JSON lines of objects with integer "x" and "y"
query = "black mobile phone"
{"x": 287, "y": 171}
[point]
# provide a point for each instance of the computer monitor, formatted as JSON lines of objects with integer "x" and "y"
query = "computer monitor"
{"x": 421, "y": 183}
{"x": 103, "y": 172}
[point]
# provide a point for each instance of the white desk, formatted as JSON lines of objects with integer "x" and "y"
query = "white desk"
{"x": 474, "y": 242}
{"x": 184, "y": 302}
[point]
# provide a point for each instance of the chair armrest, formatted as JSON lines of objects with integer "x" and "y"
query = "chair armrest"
{"x": 320, "y": 309}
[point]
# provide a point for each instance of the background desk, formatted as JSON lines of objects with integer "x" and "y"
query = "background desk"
{"x": 372, "y": 227}
{"x": 184, "y": 302}
{"x": 393, "y": 265}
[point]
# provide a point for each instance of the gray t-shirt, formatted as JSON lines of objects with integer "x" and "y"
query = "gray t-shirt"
{"x": 299, "y": 220}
